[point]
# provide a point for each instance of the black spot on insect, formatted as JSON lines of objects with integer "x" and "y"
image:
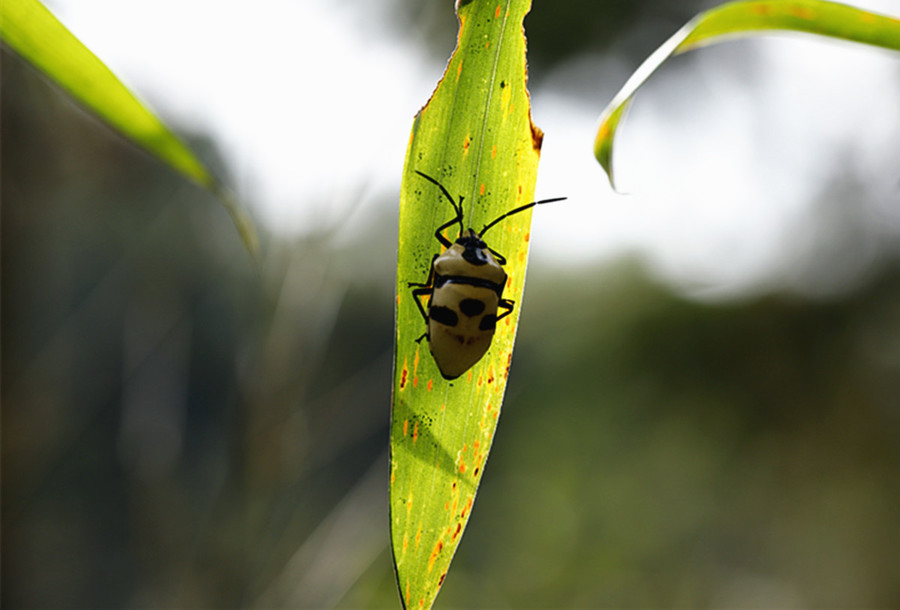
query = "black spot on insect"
{"x": 471, "y": 307}
{"x": 488, "y": 322}
{"x": 443, "y": 315}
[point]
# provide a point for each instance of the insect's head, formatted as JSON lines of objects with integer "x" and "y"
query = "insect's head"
{"x": 475, "y": 251}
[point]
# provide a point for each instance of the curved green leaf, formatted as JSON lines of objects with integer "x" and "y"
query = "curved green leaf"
{"x": 29, "y": 29}
{"x": 740, "y": 19}
{"x": 476, "y": 138}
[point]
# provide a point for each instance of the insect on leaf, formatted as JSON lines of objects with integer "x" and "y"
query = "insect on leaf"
{"x": 741, "y": 19}
{"x": 474, "y": 137}
{"x": 29, "y": 29}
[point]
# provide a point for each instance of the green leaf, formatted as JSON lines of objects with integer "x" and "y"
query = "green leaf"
{"x": 476, "y": 138}
{"x": 740, "y": 19}
{"x": 30, "y": 30}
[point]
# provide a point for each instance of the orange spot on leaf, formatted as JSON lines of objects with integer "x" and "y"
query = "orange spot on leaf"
{"x": 438, "y": 547}
{"x": 603, "y": 131}
{"x": 481, "y": 189}
{"x": 430, "y": 384}
{"x": 801, "y": 12}
{"x": 493, "y": 156}
{"x": 466, "y": 509}
{"x": 416, "y": 432}
{"x": 497, "y": 12}
{"x": 405, "y": 426}
{"x": 537, "y": 137}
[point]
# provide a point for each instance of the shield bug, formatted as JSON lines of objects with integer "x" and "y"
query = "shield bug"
{"x": 465, "y": 292}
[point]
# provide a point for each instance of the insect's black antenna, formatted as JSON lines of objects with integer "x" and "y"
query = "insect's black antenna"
{"x": 456, "y": 207}
{"x": 516, "y": 211}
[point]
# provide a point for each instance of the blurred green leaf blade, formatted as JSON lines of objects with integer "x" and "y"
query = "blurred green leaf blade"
{"x": 476, "y": 138}
{"x": 32, "y": 31}
{"x": 742, "y": 19}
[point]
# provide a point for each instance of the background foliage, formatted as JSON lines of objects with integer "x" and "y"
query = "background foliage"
{"x": 180, "y": 430}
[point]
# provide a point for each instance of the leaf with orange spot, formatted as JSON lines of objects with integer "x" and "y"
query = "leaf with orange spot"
{"x": 742, "y": 19}
{"x": 475, "y": 136}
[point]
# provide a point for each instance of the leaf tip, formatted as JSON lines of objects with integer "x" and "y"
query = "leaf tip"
{"x": 606, "y": 134}
{"x": 241, "y": 218}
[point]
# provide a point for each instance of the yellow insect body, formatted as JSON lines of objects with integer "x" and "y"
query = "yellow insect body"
{"x": 462, "y": 311}
{"x": 465, "y": 289}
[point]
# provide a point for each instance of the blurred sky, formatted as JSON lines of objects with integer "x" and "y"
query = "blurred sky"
{"x": 722, "y": 155}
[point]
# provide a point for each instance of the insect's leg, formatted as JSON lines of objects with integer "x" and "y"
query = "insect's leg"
{"x": 430, "y": 276}
{"x": 507, "y": 305}
{"x": 418, "y": 293}
{"x": 419, "y": 340}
